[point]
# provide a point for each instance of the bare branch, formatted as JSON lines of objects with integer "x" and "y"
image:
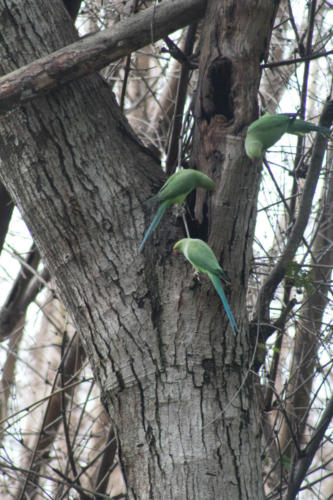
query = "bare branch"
{"x": 107, "y": 462}
{"x": 267, "y": 290}
{"x": 297, "y": 60}
{"x": 70, "y": 368}
{"x": 127, "y": 66}
{"x": 304, "y": 461}
{"x": 293, "y": 24}
{"x": 14, "y": 309}
{"x": 303, "y": 98}
{"x": 171, "y": 160}
{"x": 24, "y": 291}
{"x": 94, "y": 52}
{"x": 179, "y": 55}
{"x": 6, "y": 210}
{"x": 306, "y": 342}
{"x": 8, "y": 372}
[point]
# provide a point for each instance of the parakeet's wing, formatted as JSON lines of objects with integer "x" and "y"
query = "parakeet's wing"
{"x": 156, "y": 220}
{"x": 201, "y": 256}
{"x": 178, "y": 185}
{"x": 269, "y": 129}
{"x": 218, "y": 287}
{"x": 203, "y": 259}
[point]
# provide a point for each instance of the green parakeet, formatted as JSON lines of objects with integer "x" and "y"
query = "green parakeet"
{"x": 202, "y": 258}
{"x": 175, "y": 190}
{"x": 266, "y": 131}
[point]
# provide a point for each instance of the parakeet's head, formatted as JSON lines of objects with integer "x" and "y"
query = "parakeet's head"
{"x": 179, "y": 246}
{"x": 253, "y": 149}
{"x": 205, "y": 181}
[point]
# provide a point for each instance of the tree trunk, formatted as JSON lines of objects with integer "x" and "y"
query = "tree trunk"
{"x": 173, "y": 377}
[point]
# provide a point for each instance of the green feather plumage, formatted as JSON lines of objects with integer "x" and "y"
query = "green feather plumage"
{"x": 203, "y": 259}
{"x": 174, "y": 191}
{"x": 181, "y": 183}
{"x": 268, "y": 129}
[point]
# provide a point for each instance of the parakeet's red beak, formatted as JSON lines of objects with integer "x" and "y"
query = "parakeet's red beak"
{"x": 175, "y": 252}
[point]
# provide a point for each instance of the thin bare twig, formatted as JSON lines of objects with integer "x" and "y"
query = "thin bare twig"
{"x": 271, "y": 283}
{"x": 304, "y": 92}
{"x": 292, "y": 21}
{"x": 18, "y": 299}
{"x": 306, "y": 456}
{"x": 107, "y": 462}
{"x": 127, "y": 67}
{"x": 180, "y": 103}
{"x": 296, "y": 60}
{"x": 70, "y": 364}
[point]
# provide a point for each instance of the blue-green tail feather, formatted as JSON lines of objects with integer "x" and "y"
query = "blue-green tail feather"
{"x": 300, "y": 127}
{"x": 218, "y": 286}
{"x": 158, "y": 216}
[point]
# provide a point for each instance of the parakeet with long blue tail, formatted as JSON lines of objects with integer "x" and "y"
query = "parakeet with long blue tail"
{"x": 203, "y": 259}
{"x": 175, "y": 190}
{"x": 268, "y": 129}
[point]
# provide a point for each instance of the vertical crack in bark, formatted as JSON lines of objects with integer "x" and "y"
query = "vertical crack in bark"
{"x": 234, "y": 459}
{"x": 99, "y": 354}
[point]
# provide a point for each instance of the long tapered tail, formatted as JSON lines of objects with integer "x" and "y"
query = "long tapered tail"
{"x": 300, "y": 127}
{"x": 218, "y": 286}
{"x": 155, "y": 222}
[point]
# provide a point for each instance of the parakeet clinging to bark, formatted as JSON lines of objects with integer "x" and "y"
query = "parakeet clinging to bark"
{"x": 268, "y": 129}
{"x": 202, "y": 258}
{"x": 175, "y": 190}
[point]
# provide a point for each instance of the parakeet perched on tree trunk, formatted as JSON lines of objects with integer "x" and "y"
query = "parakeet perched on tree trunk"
{"x": 202, "y": 258}
{"x": 175, "y": 190}
{"x": 266, "y": 131}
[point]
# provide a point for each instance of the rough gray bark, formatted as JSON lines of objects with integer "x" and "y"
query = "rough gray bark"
{"x": 173, "y": 378}
{"x": 224, "y": 106}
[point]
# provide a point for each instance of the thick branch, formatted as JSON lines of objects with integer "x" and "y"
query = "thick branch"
{"x": 268, "y": 289}
{"x": 94, "y": 52}
{"x": 6, "y": 210}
